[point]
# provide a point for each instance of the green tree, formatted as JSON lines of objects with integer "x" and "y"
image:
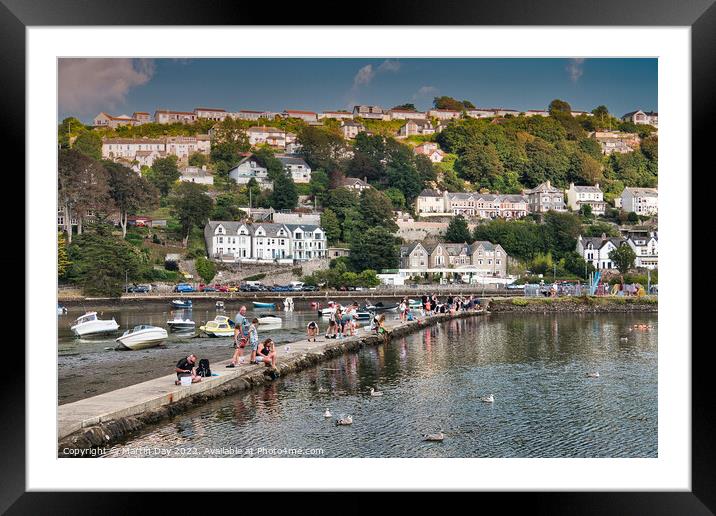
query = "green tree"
{"x": 164, "y": 173}
{"x": 68, "y": 130}
{"x": 586, "y": 211}
{"x": 480, "y": 165}
{"x": 377, "y": 210}
{"x": 198, "y": 159}
{"x": 374, "y": 249}
{"x": 89, "y": 143}
{"x": 284, "y": 196}
{"x": 130, "y": 192}
{"x": 584, "y": 169}
{"x": 445, "y": 102}
{"x": 206, "y": 269}
{"x": 191, "y": 206}
{"x": 561, "y": 232}
{"x": 623, "y": 257}
{"x": 322, "y": 148}
{"x": 226, "y": 207}
{"x": 318, "y": 186}
{"x": 457, "y": 231}
{"x": 397, "y": 199}
{"x": 406, "y": 107}
{"x": 331, "y": 225}
{"x": 101, "y": 261}
{"x": 558, "y": 106}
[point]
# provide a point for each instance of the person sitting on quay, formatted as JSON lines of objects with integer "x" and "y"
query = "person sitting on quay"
{"x": 312, "y": 331}
{"x": 266, "y": 353}
{"x": 187, "y": 367}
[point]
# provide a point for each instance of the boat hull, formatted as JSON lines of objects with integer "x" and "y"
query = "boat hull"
{"x": 181, "y": 304}
{"x": 143, "y": 339}
{"x": 95, "y": 328}
{"x": 270, "y": 320}
{"x": 263, "y": 305}
{"x": 181, "y": 325}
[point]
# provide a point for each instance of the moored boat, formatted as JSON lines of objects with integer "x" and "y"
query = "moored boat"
{"x": 380, "y": 307}
{"x": 61, "y": 310}
{"x": 258, "y": 304}
{"x": 142, "y": 337}
{"x": 179, "y": 324}
{"x": 219, "y": 305}
{"x": 182, "y": 303}
{"x": 270, "y": 319}
{"x": 221, "y": 326}
{"x": 90, "y": 324}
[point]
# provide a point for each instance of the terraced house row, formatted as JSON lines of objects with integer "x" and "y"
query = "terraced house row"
{"x": 237, "y": 242}
{"x": 481, "y": 257}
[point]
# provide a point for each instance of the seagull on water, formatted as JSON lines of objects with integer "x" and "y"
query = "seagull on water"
{"x": 327, "y": 413}
{"x": 488, "y": 399}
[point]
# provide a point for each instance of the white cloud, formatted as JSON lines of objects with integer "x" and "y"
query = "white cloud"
{"x": 425, "y": 91}
{"x": 364, "y": 76}
{"x": 575, "y": 68}
{"x": 86, "y": 86}
{"x": 389, "y": 65}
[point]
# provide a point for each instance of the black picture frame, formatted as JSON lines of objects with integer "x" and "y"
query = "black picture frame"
{"x": 700, "y": 15}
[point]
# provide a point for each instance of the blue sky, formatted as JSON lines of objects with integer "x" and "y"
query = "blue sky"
{"x": 122, "y": 86}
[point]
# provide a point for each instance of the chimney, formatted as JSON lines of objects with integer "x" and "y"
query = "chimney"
{"x": 604, "y": 236}
{"x": 365, "y": 179}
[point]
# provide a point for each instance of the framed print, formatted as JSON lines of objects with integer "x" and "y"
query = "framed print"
{"x": 424, "y": 253}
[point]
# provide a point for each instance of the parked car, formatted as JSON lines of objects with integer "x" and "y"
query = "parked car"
{"x": 233, "y": 288}
{"x": 515, "y": 286}
{"x": 183, "y": 287}
{"x": 221, "y": 288}
{"x": 205, "y": 288}
{"x": 139, "y": 288}
{"x": 310, "y": 288}
{"x": 281, "y": 288}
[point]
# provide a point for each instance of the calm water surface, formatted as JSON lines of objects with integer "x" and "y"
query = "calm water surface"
{"x": 534, "y": 365}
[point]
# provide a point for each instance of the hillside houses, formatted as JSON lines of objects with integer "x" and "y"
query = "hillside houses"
{"x": 640, "y": 117}
{"x": 143, "y": 151}
{"x": 642, "y": 201}
{"x": 595, "y": 250}
{"x": 481, "y": 257}
{"x": 296, "y": 166}
{"x": 416, "y": 127}
{"x": 592, "y": 196}
{"x": 615, "y": 141}
{"x": 430, "y": 149}
{"x": 471, "y": 204}
{"x": 240, "y": 242}
{"x": 251, "y": 168}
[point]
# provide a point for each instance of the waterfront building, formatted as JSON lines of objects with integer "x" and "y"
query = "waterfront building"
{"x": 595, "y": 250}
{"x": 481, "y": 258}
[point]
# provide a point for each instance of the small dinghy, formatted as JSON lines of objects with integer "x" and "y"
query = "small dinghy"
{"x": 61, "y": 310}
{"x": 219, "y": 305}
{"x": 179, "y": 324}
{"x": 380, "y": 307}
{"x": 270, "y": 319}
{"x": 257, "y": 304}
{"x": 181, "y": 303}
{"x": 142, "y": 337}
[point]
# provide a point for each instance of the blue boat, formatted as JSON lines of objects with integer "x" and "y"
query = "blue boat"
{"x": 263, "y": 305}
{"x": 181, "y": 303}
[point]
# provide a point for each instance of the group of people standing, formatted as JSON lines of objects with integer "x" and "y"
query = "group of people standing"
{"x": 431, "y": 304}
{"x": 246, "y": 333}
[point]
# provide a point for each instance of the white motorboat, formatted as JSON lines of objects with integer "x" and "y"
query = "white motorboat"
{"x": 90, "y": 324}
{"x": 219, "y": 305}
{"x": 270, "y": 319}
{"x": 142, "y": 336}
{"x": 179, "y": 324}
{"x": 220, "y": 327}
{"x": 61, "y": 310}
{"x": 182, "y": 303}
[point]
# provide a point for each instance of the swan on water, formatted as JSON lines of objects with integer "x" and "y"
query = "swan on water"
{"x": 373, "y": 392}
{"x": 346, "y": 420}
{"x": 327, "y": 413}
{"x": 488, "y": 399}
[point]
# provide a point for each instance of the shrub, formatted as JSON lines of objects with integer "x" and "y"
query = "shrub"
{"x": 255, "y": 277}
{"x": 518, "y": 301}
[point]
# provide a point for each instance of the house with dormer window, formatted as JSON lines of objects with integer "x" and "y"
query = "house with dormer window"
{"x": 595, "y": 250}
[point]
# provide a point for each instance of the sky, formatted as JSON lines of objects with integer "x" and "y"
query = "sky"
{"x": 121, "y": 86}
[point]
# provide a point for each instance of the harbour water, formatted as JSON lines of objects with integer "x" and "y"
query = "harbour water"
{"x": 534, "y": 365}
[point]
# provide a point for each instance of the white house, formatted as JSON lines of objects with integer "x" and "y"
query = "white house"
{"x": 105, "y": 120}
{"x": 336, "y": 115}
{"x": 642, "y": 201}
{"x": 247, "y": 114}
{"x": 595, "y": 250}
{"x": 350, "y": 129}
{"x": 184, "y": 146}
{"x": 210, "y": 113}
{"x": 163, "y": 116}
{"x": 143, "y": 151}
{"x": 368, "y": 112}
{"x": 306, "y": 116}
{"x": 615, "y": 141}
{"x": 353, "y": 183}
{"x": 642, "y": 117}
{"x": 250, "y": 168}
{"x": 142, "y": 117}
{"x": 577, "y": 196}
{"x": 405, "y": 114}
{"x": 430, "y": 150}
{"x": 444, "y": 114}
{"x": 646, "y": 248}
{"x": 536, "y": 112}
{"x": 296, "y": 166}
{"x": 416, "y": 127}
{"x": 261, "y": 134}
{"x": 481, "y": 112}
{"x": 230, "y": 241}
